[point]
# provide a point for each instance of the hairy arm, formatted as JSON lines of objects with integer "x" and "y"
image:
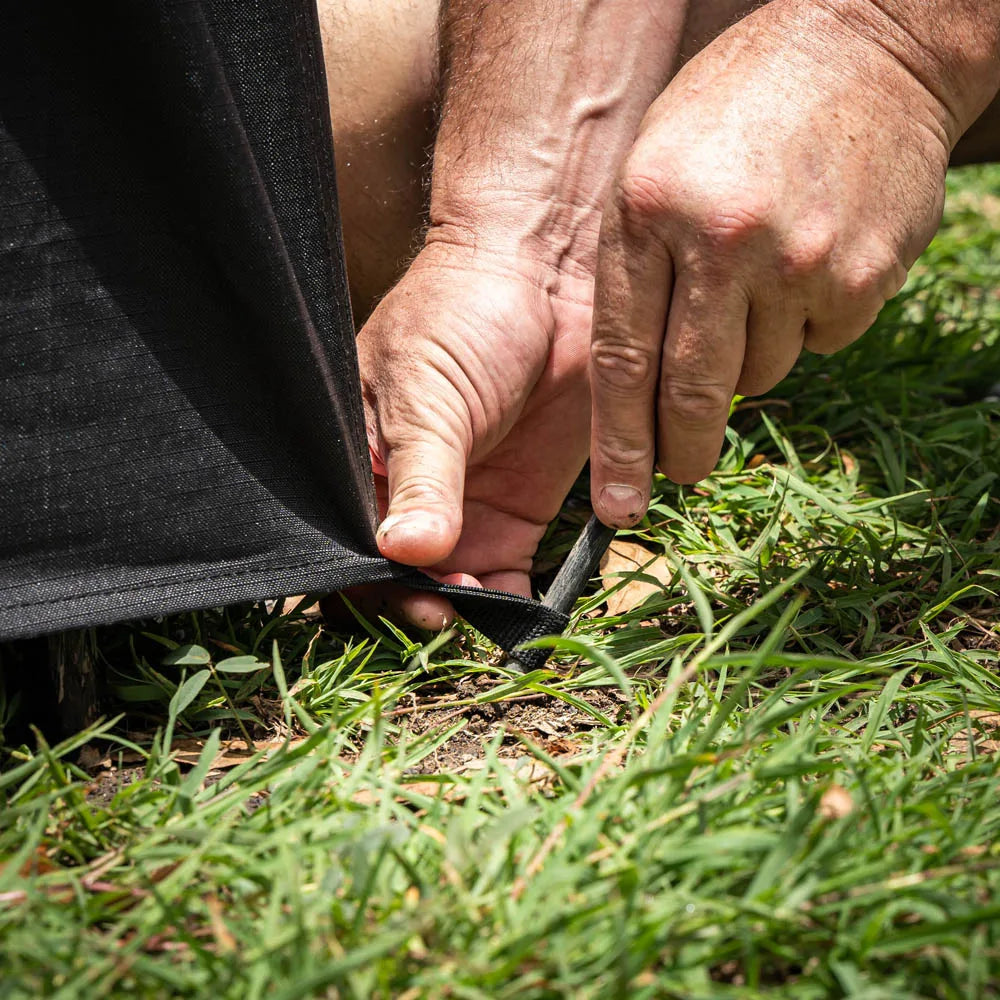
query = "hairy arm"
{"x": 542, "y": 100}
{"x": 771, "y": 197}
{"x": 951, "y": 47}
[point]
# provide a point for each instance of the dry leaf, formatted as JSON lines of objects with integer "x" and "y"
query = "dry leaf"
{"x": 983, "y": 734}
{"x": 448, "y": 791}
{"x": 527, "y": 769}
{"x": 836, "y": 803}
{"x": 232, "y": 753}
{"x": 623, "y": 558}
{"x": 188, "y": 753}
{"x": 224, "y": 940}
{"x": 286, "y": 606}
{"x": 92, "y": 758}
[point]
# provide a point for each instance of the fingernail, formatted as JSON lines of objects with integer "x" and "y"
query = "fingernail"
{"x": 622, "y": 503}
{"x": 395, "y": 524}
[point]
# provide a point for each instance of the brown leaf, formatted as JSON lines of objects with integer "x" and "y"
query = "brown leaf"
{"x": 449, "y": 791}
{"x": 983, "y": 734}
{"x": 92, "y": 758}
{"x": 224, "y": 940}
{"x": 232, "y": 753}
{"x": 188, "y": 752}
{"x": 288, "y": 605}
{"x": 534, "y": 773}
{"x": 530, "y": 770}
{"x": 624, "y": 558}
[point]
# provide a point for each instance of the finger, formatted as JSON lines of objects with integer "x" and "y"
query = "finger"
{"x": 510, "y": 581}
{"x": 841, "y": 323}
{"x": 833, "y": 332}
{"x": 855, "y": 296}
{"x": 631, "y": 299}
{"x": 702, "y": 360}
{"x": 432, "y": 611}
{"x": 424, "y": 520}
{"x": 387, "y": 600}
{"x": 425, "y": 610}
{"x": 493, "y": 539}
{"x": 775, "y": 333}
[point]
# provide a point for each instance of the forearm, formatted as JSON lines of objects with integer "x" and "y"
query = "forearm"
{"x": 542, "y": 100}
{"x": 951, "y": 46}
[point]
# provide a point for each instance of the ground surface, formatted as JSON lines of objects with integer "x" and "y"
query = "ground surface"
{"x": 763, "y": 764}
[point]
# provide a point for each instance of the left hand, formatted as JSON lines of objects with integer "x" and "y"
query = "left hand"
{"x": 776, "y": 195}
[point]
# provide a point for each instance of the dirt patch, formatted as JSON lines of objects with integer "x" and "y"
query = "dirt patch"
{"x": 108, "y": 783}
{"x": 556, "y": 726}
{"x": 548, "y": 722}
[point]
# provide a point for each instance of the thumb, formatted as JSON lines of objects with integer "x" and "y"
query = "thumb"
{"x": 424, "y": 520}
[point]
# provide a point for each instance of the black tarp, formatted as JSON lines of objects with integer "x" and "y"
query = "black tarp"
{"x": 180, "y": 413}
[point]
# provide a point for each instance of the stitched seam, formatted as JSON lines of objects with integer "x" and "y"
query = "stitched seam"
{"x": 183, "y": 578}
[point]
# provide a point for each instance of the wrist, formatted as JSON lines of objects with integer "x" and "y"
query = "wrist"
{"x": 531, "y": 229}
{"x": 462, "y": 256}
{"x": 950, "y": 47}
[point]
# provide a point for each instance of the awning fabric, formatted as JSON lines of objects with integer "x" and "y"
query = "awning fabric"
{"x": 180, "y": 412}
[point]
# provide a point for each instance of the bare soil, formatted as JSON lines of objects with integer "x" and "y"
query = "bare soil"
{"x": 550, "y": 723}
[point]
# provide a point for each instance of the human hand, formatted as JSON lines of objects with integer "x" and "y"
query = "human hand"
{"x": 474, "y": 377}
{"x": 474, "y": 366}
{"x": 776, "y": 195}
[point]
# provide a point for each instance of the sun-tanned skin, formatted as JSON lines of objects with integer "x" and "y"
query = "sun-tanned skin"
{"x": 382, "y": 75}
{"x": 769, "y": 201}
{"x": 775, "y": 198}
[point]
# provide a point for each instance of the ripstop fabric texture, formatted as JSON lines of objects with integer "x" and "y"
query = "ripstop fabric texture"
{"x": 180, "y": 410}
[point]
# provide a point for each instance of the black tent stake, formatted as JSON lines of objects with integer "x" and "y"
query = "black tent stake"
{"x": 573, "y": 576}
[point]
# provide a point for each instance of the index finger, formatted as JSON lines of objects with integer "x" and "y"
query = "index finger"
{"x": 702, "y": 358}
{"x": 631, "y": 302}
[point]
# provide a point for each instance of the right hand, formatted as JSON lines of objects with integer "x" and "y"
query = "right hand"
{"x": 474, "y": 375}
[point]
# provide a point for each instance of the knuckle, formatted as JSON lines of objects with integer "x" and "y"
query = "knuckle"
{"x": 642, "y": 197}
{"x": 807, "y": 256}
{"x": 693, "y": 404}
{"x": 621, "y": 364}
{"x": 733, "y": 224}
{"x": 869, "y": 276}
{"x": 421, "y": 489}
{"x": 616, "y": 452}
{"x": 861, "y": 281}
{"x": 419, "y": 485}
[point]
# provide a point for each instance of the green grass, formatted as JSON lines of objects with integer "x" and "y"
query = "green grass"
{"x": 832, "y": 626}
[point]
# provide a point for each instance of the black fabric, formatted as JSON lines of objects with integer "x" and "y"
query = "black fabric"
{"x": 180, "y": 414}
